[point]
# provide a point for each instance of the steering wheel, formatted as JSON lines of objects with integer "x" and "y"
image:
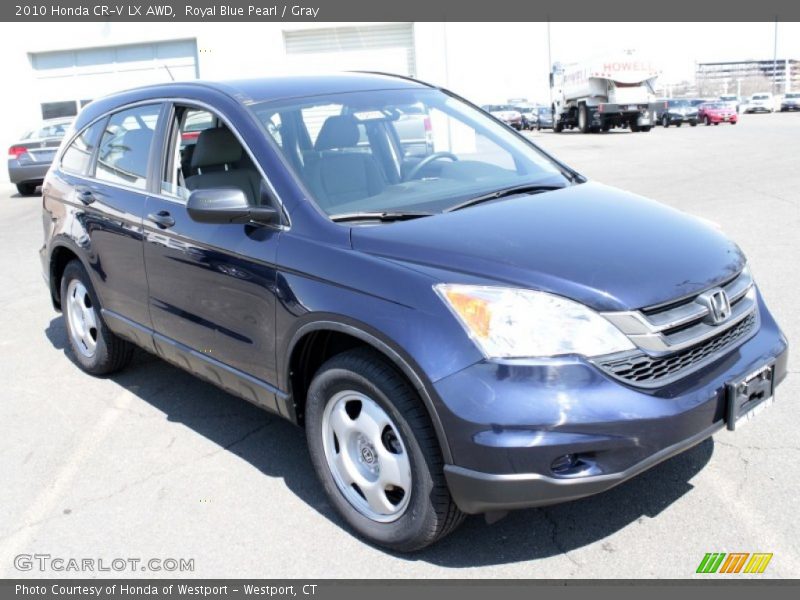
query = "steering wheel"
{"x": 428, "y": 160}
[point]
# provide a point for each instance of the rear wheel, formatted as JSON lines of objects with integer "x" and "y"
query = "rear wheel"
{"x": 26, "y": 189}
{"x": 95, "y": 347}
{"x": 665, "y": 121}
{"x": 583, "y": 119}
{"x": 376, "y": 453}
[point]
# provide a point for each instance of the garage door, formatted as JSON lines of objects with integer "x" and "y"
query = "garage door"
{"x": 66, "y": 79}
{"x": 388, "y": 48}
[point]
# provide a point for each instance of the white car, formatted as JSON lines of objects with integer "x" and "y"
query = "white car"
{"x": 761, "y": 102}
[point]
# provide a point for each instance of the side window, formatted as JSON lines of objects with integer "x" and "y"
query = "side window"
{"x": 78, "y": 155}
{"x": 205, "y": 154}
{"x": 125, "y": 148}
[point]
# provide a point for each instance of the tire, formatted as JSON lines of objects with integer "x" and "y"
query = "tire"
{"x": 359, "y": 382}
{"x": 708, "y": 121}
{"x": 665, "y": 121}
{"x": 583, "y": 119}
{"x": 26, "y": 189}
{"x": 693, "y": 123}
{"x": 734, "y": 122}
{"x": 96, "y": 349}
{"x": 678, "y": 124}
{"x": 558, "y": 127}
{"x": 645, "y": 128}
{"x": 716, "y": 122}
{"x": 634, "y": 127}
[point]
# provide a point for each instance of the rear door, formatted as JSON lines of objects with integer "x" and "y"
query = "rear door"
{"x": 112, "y": 198}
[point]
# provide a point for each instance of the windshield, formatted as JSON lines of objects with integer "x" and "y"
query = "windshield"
{"x": 761, "y": 97}
{"x": 404, "y": 150}
{"x": 793, "y": 95}
{"x": 716, "y": 105}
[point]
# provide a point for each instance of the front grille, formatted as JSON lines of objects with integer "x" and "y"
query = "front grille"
{"x": 644, "y": 370}
{"x": 677, "y": 337}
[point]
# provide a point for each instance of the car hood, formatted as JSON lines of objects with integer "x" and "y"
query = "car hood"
{"x": 601, "y": 246}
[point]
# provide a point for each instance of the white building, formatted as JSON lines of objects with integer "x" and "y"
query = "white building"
{"x": 51, "y": 69}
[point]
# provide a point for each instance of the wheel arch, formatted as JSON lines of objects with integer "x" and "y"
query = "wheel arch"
{"x": 315, "y": 341}
{"x": 61, "y": 254}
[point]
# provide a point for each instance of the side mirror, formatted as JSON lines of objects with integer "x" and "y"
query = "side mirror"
{"x": 227, "y": 205}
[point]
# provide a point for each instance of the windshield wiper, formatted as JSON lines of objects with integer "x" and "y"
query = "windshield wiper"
{"x": 379, "y": 216}
{"x": 510, "y": 191}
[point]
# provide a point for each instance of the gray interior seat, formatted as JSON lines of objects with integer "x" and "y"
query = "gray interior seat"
{"x": 213, "y": 161}
{"x": 340, "y": 172}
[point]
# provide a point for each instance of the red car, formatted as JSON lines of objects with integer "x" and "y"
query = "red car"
{"x": 716, "y": 113}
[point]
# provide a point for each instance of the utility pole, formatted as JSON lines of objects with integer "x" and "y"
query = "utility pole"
{"x": 549, "y": 64}
{"x": 775, "y": 59}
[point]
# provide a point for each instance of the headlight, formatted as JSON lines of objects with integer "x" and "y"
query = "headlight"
{"x": 516, "y": 323}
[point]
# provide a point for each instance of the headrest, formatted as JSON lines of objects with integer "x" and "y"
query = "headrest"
{"x": 340, "y": 131}
{"x": 216, "y": 146}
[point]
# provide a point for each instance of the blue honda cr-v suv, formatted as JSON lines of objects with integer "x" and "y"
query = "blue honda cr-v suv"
{"x": 461, "y": 323}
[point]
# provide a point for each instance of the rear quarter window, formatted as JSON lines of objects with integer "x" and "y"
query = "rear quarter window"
{"x": 77, "y": 157}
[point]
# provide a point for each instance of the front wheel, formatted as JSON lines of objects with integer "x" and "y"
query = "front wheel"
{"x": 708, "y": 121}
{"x": 96, "y": 348}
{"x": 664, "y": 121}
{"x": 693, "y": 123}
{"x": 376, "y": 453}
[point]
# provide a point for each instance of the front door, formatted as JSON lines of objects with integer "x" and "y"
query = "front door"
{"x": 211, "y": 287}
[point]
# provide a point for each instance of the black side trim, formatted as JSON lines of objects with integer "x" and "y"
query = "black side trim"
{"x": 231, "y": 380}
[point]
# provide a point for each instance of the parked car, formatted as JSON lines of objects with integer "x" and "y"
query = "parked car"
{"x": 544, "y": 118}
{"x": 791, "y": 101}
{"x": 476, "y": 330}
{"x": 676, "y": 112}
{"x": 733, "y": 100}
{"x": 31, "y": 155}
{"x": 506, "y": 113}
{"x": 762, "y": 102}
{"x": 528, "y": 114}
{"x": 716, "y": 113}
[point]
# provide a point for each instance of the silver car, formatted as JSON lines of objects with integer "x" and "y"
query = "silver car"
{"x": 30, "y": 156}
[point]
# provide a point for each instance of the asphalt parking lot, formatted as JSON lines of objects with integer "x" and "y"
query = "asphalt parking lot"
{"x": 154, "y": 463}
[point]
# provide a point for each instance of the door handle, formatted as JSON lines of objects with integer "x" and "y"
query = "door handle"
{"x": 85, "y": 195}
{"x": 162, "y": 218}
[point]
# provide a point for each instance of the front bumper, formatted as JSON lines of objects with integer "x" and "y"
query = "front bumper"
{"x": 681, "y": 118}
{"x": 509, "y": 423}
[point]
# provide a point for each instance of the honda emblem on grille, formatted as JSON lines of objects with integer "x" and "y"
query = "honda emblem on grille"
{"x": 717, "y": 303}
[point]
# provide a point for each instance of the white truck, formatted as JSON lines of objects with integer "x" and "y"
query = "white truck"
{"x": 599, "y": 94}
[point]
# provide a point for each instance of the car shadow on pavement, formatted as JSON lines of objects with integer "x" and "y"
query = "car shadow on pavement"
{"x": 277, "y": 448}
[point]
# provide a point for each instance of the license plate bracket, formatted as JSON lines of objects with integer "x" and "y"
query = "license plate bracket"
{"x": 748, "y": 396}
